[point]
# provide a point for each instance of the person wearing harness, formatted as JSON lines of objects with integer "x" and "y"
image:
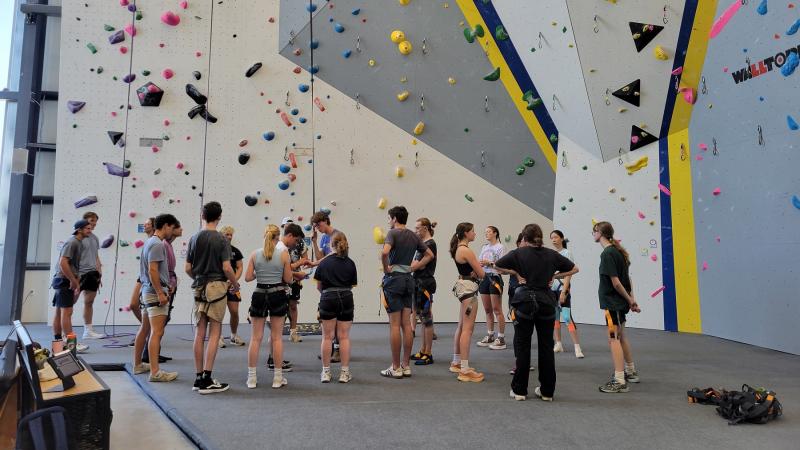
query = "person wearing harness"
{"x": 173, "y": 277}
{"x": 90, "y": 271}
{"x": 470, "y": 273}
{"x": 616, "y": 299}
{"x": 154, "y": 277}
{"x": 321, "y": 222}
{"x": 299, "y": 258}
{"x": 563, "y": 290}
{"x": 336, "y": 276}
{"x": 66, "y": 283}
{"x": 269, "y": 267}
{"x": 425, "y": 287}
{"x": 208, "y": 264}
{"x": 234, "y": 297}
{"x": 534, "y": 307}
{"x": 491, "y": 290}
{"x": 397, "y": 290}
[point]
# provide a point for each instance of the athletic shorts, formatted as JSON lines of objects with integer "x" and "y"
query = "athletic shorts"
{"x": 398, "y": 292}
{"x": 336, "y": 305}
{"x": 63, "y": 297}
{"x": 491, "y": 284}
{"x": 274, "y": 304}
{"x": 90, "y": 281}
{"x": 566, "y": 315}
{"x": 155, "y": 310}
{"x": 613, "y": 320}
{"x": 294, "y": 295}
{"x": 234, "y": 296}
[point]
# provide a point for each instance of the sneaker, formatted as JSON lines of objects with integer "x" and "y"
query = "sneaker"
{"x": 236, "y": 340}
{"x": 614, "y": 387}
{"x": 141, "y": 368}
{"x": 579, "y": 354}
{"x": 208, "y": 386}
{"x": 632, "y": 377}
{"x": 221, "y": 342}
{"x": 392, "y": 373}
{"x": 516, "y": 397}
{"x": 345, "y": 376}
{"x": 286, "y": 366}
{"x": 470, "y": 375}
{"x": 336, "y": 357}
{"x": 486, "y": 341}
{"x": 325, "y": 376}
{"x": 435, "y": 337}
{"x": 81, "y": 348}
{"x": 196, "y": 385}
{"x": 455, "y": 367}
{"x": 91, "y": 334}
{"x": 294, "y": 337}
{"x": 513, "y": 371}
{"x": 538, "y": 392}
{"x": 417, "y": 356}
{"x": 406, "y": 371}
{"x": 499, "y": 344}
{"x": 424, "y": 361}
{"x": 162, "y": 376}
{"x": 558, "y": 348}
{"x": 278, "y": 383}
{"x": 252, "y": 381}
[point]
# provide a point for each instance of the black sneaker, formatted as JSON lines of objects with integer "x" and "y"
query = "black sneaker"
{"x": 209, "y": 386}
{"x": 286, "y": 366}
{"x": 196, "y": 385}
{"x": 614, "y": 387}
{"x": 335, "y": 357}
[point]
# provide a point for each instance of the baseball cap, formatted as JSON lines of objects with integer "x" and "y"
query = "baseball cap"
{"x": 286, "y": 220}
{"x": 79, "y": 224}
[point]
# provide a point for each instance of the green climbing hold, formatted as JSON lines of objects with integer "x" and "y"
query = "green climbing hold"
{"x": 585, "y": 167}
{"x": 493, "y": 76}
{"x": 145, "y": 72}
{"x": 127, "y": 164}
{"x": 469, "y": 198}
{"x": 528, "y": 161}
{"x": 564, "y": 30}
{"x": 471, "y": 33}
{"x": 74, "y": 125}
{"x": 553, "y": 138}
{"x": 500, "y": 33}
{"x": 91, "y": 48}
{"x": 123, "y": 243}
{"x": 108, "y": 27}
{"x": 563, "y": 208}
{"x": 165, "y": 137}
{"x": 466, "y": 130}
{"x": 532, "y": 101}
{"x": 520, "y": 169}
{"x": 533, "y": 49}
{"x": 508, "y": 238}
{"x": 138, "y": 15}
{"x": 100, "y": 69}
{"x": 114, "y": 78}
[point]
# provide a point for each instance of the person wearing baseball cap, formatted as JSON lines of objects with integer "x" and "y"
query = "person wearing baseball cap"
{"x": 66, "y": 283}
{"x": 285, "y": 221}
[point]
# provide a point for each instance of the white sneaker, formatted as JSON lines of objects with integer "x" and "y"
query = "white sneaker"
{"x": 391, "y": 372}
{"x": 252, "y": 381}
{"x": 538, "y": 393}
{"x": 141, "y": 368}
{"x": 294, "y": 337}
{"x": 486, "y": 341}
{"x": 516, "y": 397}
{"x": 325, "y": 376}
{"x": 162, "y": 376}
{"x": 578, "y": 353}
{"x": 279, "y": 382}
{"x": 498, "y": 344}
{"x": 81, "y": 348}
{"x": 91, "y": 334}
{"x": 558, "y": 348}
{"x": 236, "y": 340}
{"x": 345, "y": 376}
{"x": 221, "y": 342}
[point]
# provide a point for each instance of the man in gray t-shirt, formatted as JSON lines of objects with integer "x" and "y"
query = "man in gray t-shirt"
{"x": 90, "y": 272}
{"x": 208, "y": 250}
{"x": 65, "y": 281}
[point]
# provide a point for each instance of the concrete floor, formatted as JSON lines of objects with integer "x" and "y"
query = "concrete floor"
{"x": 433, "y": 410}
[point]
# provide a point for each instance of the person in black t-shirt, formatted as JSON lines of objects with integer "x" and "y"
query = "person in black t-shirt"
{"x": 234, "y": 297}
{"x": 534, "y": 307}
{"x": 425, "y": 287}
{"x": 616, "y": 299}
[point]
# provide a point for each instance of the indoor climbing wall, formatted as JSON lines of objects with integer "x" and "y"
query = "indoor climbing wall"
{"x": 744, "y": 156}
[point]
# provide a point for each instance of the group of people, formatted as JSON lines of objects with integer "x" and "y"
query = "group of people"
{"x": 539, "y": 295}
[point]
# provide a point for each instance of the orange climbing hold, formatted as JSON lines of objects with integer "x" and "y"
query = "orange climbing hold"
{"x": 293, "y": 160}
{"x": 285, "y": 118}
{"x": 319, "y": 104}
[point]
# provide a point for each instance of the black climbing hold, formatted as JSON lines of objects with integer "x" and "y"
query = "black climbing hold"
{"x": 115, "y": 136}
{"x": 196, "y": 74}
{"x": 196, "y": 110}
{"x": 253, "y": 69}
{"x": 244, "y": 157}
{"x": 250, "y": 200}
{"x": 207, "y": 115}
{"x": 149, "y": 94}
{"x": 640, "y": 138}
{"x": 630, "y": 93}
{"x": 192, "y": 92}
{"x": 643, "y": 33}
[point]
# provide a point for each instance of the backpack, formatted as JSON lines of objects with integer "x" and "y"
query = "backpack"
{"x": 748, "y": 405}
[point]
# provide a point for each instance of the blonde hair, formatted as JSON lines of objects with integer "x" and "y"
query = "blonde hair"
{"x": 339, "y": 244}
{"x": 227, "y": 229}
{"x": 271, "y": 234}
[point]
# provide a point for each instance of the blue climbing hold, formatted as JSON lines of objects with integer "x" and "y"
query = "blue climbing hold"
{"x": 762, "y": 7}
{"x": 295, "y": 111}
{"x": 269, "y": 135}
{"x": 313, "y": 69}
{"x": 311, "y": 7}
{"x": 325, "y": 211}
{"x": 793, "y": 29}
{"x": 339, "y": 28}
{"x": 284, "y": 168}
{"x": 308, "y": 228}
{"x": 790, "y": 65}
{"x": 347, "y": 53}
{"x": 283, "y": 185}
{"x": 796, "y": 201}
{"x": 761, "y": 98}
{"x": 792, "y": 123}
{"x": 330, "y": 19}
{"x": 302, "y": 87}
{"x": 356, "y": 11}
{"x": 314, "y": 44}
{"x": 302, "y": 120}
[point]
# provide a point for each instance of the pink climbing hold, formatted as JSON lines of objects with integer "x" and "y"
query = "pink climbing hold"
{"x": 198, "y": 54}
{"x": 689, "y": 95}
{"x": 298, "y": 52}
{"x": 319, "y": 104}
{"x": 705, "y": 264}
{"x": 166, "y": 122}
{"x": 285, "y": 118}
{"x": 657, "y": 291}
{"x": 113, "y": 114}
{"x": 155, "y": 193}
{"x": 123, "y": 2}
{"x": 725, "y": 69}
{"x": 123, "y": 49}
{"x": 726, "y": 17}
{"x": 179, "y": 165}
{"x": 170, "y": 18}
{"x": 131, "y": 214}
{"x": 718, "y": 239}
{"x": 634, "y": 139}
{"x": 653, "y": 257}
{"x": 664, "y": 189}
{"x": 139, "y": 243}
{"x": 152, "y": 88}
{"x": 130, "y": 29}
{"x": 702, "y": 147}
{"x": 291, "y": 177}
{"x": 183, "y": 4}
{"x": 640, "y": 214}
{"x": 716, "y": 191}
{"x": 155, "y": 149}
{"x": 678, "y": 71}
{"x": 699, "y": 157}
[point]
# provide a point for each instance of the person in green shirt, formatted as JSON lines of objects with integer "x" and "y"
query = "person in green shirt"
{"x": 616, "y": 299}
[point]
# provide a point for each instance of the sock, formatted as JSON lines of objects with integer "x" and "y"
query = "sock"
{"x": 577, "y": 347}
{"x": 328, "y": 369}
{"x": 344, "y": 368}
{"x": 207, "y": 374}
{"x": 490, "y": 333}
{"x": 619, "y": 377}
{"x": 57, "y": 337}
{"x": 501, "y": 335}
{"x": 278, "y": 373}
{"x": 293, "y": 330}
{"x": 88, "y": 327}
{"x": 251, "y": 371}
{"x": 456, "y": 358}
{"x": 464, "y": 365}
{"x": 629, "y": 368}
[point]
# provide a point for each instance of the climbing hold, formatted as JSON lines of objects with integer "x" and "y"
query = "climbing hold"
{"x": 500, "y": 33}
{"x": 170, "y": 18}
{"x": 155, "y": 193}
{"x": 284, "y": 168}
{"x": 791, "y": 122}
{"x": 116, "y": 170}
{"x": 74, "y": 106}
{"x": 115, "y": 136}
{"x": 91, "y": 48}
{"x": 403, "y": 96}
{"x": 419, "y": 128}
{"x": 116, "y": 37}
{"x": 377, "y": 235}
{"x": 313, "y": 44}
{"x": 319, "y": 104}
{"x": 553, "y": 138}
{"x": 532, "y": 102}
{"x": 762, "y": 7}
{"x": 716, "y": 191}
{"x": 793, "y": 29}
{"x": 469, "y": 198}
{"x": 250, "y": 200}
{"x": 283, "y": 185}
{"x": 790, "y": 65}
{"x": 130, "y": 29}
{"x": 640, "y": 164}
{"x": 404, "y": 47}
{"x": 269, "y": 135}
{"x": 371, "y": 63}
{"x": 179, "y": 165}
{"x": 253, "y": 69}
{"x": 311, "y": 7}
{"x": 303, "y": 87}
{"x": 723, "y": 20}
{"x": 302, "y": 120}
{"x": 640, "y": 138}
{"x": 520, "y": 170}
{"x": 356, "y": 11}
{"x": 399, "y": 171}
{"x": 243, "y": 143}
{"x": 630, "y": 92}
{"x": 139, "y": 243}
{"x": 640, "y": 214}
{"x": 528, "y": 161}
{"x": 612, "y": 190}
{"x": 197, "y": 75}
{"x": 657, "y": 291}
{"x": 451, "y": 80}
{"x": 397, "y": 36}
{"x": 86, "y": 201}
{"x": 664, "y": 189}
{"x": 313, "y": 69}
{"x": 382, "y": 203}
{"x": 293, "y": 160}
{"x": 643, "y": 34}
{"x": 339, "y": 28}
{"x": 107, "y": 241}
{"x": 157, "y": 171}
{"x": 123, "y": 50}
{"x": 471, "y": 33}
{"x": 563, "y": 208}
{"x": 244, "y": 157}
{"x": 347, "y": 53}
{"x": 295, "y": 111}
{"x": 297, "y": 70}
{"x": 678, "y": 71}
{"x": 285, "y": 119}
{"x": 493, "y": 75}
{"x": 167, "y": 74}
{"x": 796, "y": 201}
{"x": 195, "y": 94}
{"x": 660, "y": 53}
{"x": 149, "y": 94}
{"x": 705, "y": 263}
{"x": 689, "y": 95}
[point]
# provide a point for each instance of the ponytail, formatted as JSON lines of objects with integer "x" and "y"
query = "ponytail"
{"x": 427, "y": 224}
{"x": 607, "y": 231}
{"x": 339, "y": 244}
{"x": 461, "y": 230}
{"x": 271, "y": 234}
{"x": 532, "y": 234}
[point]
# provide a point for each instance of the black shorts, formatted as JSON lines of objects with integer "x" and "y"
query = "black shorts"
{"x": 295, "y": 294}
{"x": 63, "y": 297}
{"x": 336, "y": 305}
{"x": 234, "y": 296}
{"x": 398, "y": 292}
{"x": 491, "y": 284}
{"x": 90, "y": 281}
{"x": 274, "y": 304}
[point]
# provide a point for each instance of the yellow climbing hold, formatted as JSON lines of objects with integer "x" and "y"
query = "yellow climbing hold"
{"x": 419, "y": 128}
{"x": 382, "y": 203}
{"x": 660, "y": 53}
{"x": 451, "y": 80}
{"x": 399, "y": 171}
{"x": 403, "y": 80}
{"x": 377, "y": 235}
{"x": 594, "y": 221}
{"x": 622, "y": 110}
{"x": 397, "y": 36}
{"x": 371, "y": 63}
{"x": 413, "y": 142}
{"x": 404, "y": 2}
{"x": 405, "y": 47}
{"x": 640, "y": 164}
{"x": 403, "y": 96}
{"x": 612, "y": 190}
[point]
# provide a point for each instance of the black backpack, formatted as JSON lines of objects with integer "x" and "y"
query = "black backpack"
{"x": 748, "y": 405}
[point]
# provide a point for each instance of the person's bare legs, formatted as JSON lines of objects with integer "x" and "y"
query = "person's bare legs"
{"x": 257, "y": 327}
{"x": 557, "y": 330}
{"x": 140, "y": 340}
{"x": 292, "y": 314}
{"x": 427, "y": 339}
{"x": 343, "y": 329}
{"x": 214, "y": 332}
{"x": 395, "y": 338}
{"x": 157, "y": 324}
{"x": 408, "y": 337}
{"x": 233, "y": 308}
{"x": 326, "y": 347}
{"x": 66, "y": 321}
{"x": 88, "y": 307}
{"x": 486, "y": 299}
{"x": 497, "y": 309}
{"x": 57, "y": 329}
{"x": 573, "y": 332}
{"x": 467, "y": 327}
{"x": 276, "y": 335}
{"x": 199, "y": 342}
{"x": 625, "y": 345}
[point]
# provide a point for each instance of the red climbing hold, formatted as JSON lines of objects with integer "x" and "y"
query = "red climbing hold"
{"x": 271, "y": 20}
{"x": 167, "y": 74}
{"x": 156, "y": 193}
{"x": 297, "y": 69}
{"x": 319, "y": 104}
{"x": 285, "y": 118}
{"x": 293, "y": 160}
{"x": 292, "y": 177}
{"x": 123, "y": 49}
{"x": 170, "y": 18}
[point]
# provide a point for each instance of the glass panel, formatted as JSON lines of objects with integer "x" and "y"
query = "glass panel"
{"x": 39, "y": 235}
{"x": 11, "y": 30}
{"x": 44, "y": 174}
{"x": 8, "y": 118}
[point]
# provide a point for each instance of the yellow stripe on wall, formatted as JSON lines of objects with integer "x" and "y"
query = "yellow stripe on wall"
{"x": 512, "y": 87}
{"x": 687, "y": 293}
